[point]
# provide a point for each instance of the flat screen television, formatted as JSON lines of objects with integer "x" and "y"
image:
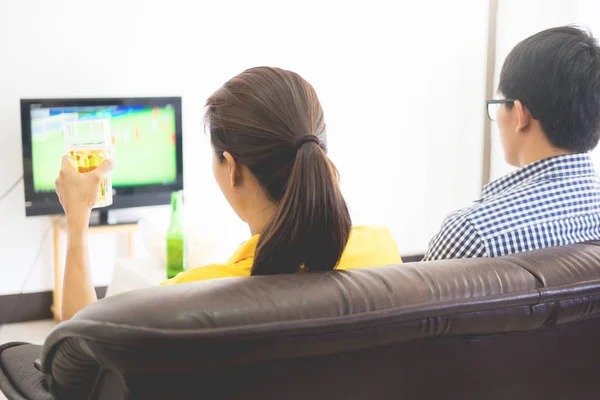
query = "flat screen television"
{"x": 147, "y": 148}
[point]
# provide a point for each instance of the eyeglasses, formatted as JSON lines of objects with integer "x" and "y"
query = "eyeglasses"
{"x": 494, "y": 105}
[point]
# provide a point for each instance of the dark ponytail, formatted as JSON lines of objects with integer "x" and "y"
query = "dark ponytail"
{"x": 262, "y": 118}
{"x": 313, "y": 222}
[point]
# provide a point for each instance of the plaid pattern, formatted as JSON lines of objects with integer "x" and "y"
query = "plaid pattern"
{"x": 552, "y": 202}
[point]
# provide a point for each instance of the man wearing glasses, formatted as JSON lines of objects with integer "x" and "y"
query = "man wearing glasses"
{"x": 549, "y": 119}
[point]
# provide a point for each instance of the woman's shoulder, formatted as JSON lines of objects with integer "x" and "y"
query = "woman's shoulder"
{"x": 370, "y": 246}
{"x": 239, "y": 264}
{"x": 370, "y": 230}
{"x": 370, "y": 234}
{"x": 212, "y": 271}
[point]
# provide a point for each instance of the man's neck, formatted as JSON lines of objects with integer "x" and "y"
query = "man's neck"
{"x": 540, "y": 152}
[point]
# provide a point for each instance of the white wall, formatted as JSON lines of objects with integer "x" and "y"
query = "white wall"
{"x": 517, "y": 20}
{"x": 402, "y": 85}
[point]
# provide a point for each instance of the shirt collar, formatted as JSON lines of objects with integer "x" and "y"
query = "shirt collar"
{"x": 244, "y": 251}
{"x": 549, "y": 168}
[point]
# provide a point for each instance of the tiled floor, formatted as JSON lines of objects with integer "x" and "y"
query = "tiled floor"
{"x": 32, "y": 332}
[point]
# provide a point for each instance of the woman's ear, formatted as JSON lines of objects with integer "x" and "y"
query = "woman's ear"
{"x": 234, "y": 169}
{"x": 523, "y": 116}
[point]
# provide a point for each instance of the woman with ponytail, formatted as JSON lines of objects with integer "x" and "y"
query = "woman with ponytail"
{"x": 267, "y": 131}
{"x": 270, "y": 160}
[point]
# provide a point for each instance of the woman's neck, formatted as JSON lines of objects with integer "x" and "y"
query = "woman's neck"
{"x": 260, "y": 217}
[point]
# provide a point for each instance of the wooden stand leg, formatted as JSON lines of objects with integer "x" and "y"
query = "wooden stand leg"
{"x": 130, "y": 244}
{"x": 57, "y": 293}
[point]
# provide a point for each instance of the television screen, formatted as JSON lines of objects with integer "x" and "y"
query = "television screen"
{"x": 143, "y": 141}
{"x": 146, "y": 139}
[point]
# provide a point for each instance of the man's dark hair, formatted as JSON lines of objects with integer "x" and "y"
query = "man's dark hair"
{"x": 556, "y": 75}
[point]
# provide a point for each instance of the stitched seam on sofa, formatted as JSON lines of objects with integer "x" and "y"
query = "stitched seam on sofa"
{"x": 356, "y": 344}
{"x": 579, "y": 289}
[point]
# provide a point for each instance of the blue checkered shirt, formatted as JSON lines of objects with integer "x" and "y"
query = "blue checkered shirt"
{"x": 552, "y": 202}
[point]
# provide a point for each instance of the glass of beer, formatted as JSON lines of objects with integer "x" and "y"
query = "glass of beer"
{"x": 88, "y": 143}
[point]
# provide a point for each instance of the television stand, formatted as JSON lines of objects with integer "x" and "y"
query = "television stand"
{"x": 103, "y": 219}
{"x": 59, "y": 225}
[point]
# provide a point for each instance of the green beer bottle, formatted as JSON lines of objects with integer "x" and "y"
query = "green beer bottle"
{"x": 176, "y": 237}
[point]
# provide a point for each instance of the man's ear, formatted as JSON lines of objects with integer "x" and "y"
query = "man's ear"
{"x": 235, "y": 170}
{"x": 523, "y": 116}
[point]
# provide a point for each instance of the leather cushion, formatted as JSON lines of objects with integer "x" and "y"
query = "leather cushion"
{"x": 19, "y": 378}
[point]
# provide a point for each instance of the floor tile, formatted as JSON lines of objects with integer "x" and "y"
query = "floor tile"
{"x": 32, "y": 332}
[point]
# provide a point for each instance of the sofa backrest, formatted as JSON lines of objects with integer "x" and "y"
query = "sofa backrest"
{"x": 215, "y": 327}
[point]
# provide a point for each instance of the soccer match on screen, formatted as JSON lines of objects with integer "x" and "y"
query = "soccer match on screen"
{"x": 143, "y": 142}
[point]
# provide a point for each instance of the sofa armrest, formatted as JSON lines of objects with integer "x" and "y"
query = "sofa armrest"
{"x": 19, "y": 377}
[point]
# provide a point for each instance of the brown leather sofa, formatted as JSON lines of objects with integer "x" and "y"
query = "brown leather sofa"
{"x": 518, "y": 327}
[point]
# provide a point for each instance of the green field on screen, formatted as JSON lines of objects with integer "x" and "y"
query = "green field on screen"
{"x": 144, "y": 150}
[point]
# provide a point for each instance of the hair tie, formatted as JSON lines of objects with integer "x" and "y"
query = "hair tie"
{"x": 302, "y": 140}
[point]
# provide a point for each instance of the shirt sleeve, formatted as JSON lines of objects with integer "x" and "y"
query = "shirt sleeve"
{"x": 458, "y": 238}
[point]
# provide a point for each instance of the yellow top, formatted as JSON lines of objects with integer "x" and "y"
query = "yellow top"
{"x": 368, "y": 246}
